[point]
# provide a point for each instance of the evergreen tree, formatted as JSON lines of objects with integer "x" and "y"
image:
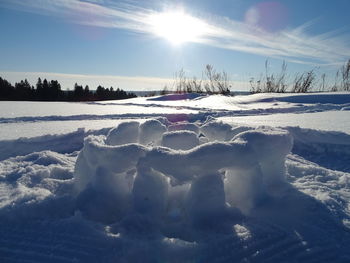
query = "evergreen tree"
{"x": 87, "y": 93}
{"x": 6, "y": 90}
{"x": 45, "y": 92}
{"x": 55, "y": 92}
{"x": 23, "y": 90}
{"x": 78, "y": 92}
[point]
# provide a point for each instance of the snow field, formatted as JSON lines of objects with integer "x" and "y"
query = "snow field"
{"x": 181, "y": 188}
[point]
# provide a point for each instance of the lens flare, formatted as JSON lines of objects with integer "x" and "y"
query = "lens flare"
{"x": 270, "y": 15}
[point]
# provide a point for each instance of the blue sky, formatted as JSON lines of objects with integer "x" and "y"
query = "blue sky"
{"x": 120, "y": 43}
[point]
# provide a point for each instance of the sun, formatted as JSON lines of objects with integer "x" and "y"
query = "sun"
{"x": 177, "y": 27}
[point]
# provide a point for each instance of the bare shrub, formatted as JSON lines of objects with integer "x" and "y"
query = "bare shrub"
{"x": 255, "y": 86}
{"x": 323, "y": 83}
{"x": 275, "y": 83}
{"x": 345, "y": 74}
{"x": 217, "y": 82}
{"x": 303, "y": 83}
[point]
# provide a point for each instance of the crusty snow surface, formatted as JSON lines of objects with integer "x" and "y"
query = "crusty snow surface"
{"x": 177, "y": 178}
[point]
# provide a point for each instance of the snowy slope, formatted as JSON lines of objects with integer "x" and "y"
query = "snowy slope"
{"x": 179, "y": 179}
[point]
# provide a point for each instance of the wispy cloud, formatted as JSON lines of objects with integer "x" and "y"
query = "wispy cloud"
{"x": 294, "y": 45}
{"x": 67, "y": 81}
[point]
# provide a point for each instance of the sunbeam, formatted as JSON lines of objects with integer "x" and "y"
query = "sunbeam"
{"x": 177, "y": 27}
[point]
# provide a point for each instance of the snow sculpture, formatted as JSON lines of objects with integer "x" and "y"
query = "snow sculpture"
{"x": 146, "y": 181}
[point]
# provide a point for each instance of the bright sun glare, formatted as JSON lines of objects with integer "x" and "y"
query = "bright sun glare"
{"x": 177, "y": 27}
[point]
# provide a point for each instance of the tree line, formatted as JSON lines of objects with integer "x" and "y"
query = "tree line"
{"x": 45, "y": 90}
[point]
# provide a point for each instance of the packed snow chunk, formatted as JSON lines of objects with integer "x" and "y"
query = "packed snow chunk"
{"x": 205, "y": 203}
{"x": 180, "y": 140}
{"x": 151, "y": 132}
{"x": 187, "y": 126}
{"x": 125, "y": 132}
{"x": 106, "y": 198}
{"x": 150, "y": 192}
{"x": 96, "y": 155}
{"x": 176, "y": 202}
{"x": 270, "y": 145}
{"x": 244, "y": 188}
{"x": 217, "y": 131}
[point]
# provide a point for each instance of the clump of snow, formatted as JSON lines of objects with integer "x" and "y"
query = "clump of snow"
{"x": 206, "y": 201}
{"x": 106, "y": 198}
{"x": 96, "y": 156}
{"x": 217, "y": 131}
{"x": 150, "y": 193}
{"x": 125, "y": 132}
{"x": 180, "y": 140}
{"x": 151, "y": 132}
{"x": 244, "y": 188}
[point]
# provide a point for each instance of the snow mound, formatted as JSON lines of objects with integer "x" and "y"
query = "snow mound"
{"x": 180, "y": 140}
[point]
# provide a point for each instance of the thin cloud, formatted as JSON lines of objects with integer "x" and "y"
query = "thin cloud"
{"x": 294, "y": 45}
{"x": 67, "y": 81}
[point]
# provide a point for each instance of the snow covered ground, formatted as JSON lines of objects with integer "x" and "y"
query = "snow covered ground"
{"x": 177, "y": 178}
